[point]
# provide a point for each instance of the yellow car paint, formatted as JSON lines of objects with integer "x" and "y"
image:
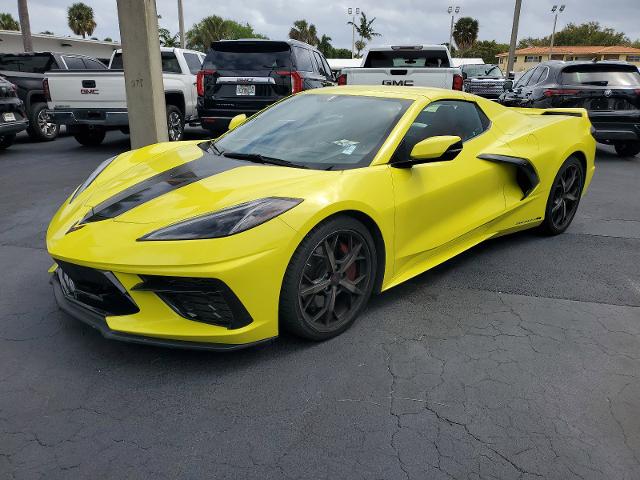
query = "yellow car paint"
{"x": 424, "y": 215}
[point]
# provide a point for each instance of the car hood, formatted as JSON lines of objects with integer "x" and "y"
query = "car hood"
{"x": 165, "y": 184}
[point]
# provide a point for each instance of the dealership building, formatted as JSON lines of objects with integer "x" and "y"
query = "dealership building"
{"x": 531, "y": 56}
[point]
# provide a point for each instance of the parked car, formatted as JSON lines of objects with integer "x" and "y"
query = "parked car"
{"x": 13, "y": 118}
{"x": 26, "y": 71}
{"x": 410, "y": 66}
{"x": 245, "y": 76}
{"x": 483, "y": 80}
{"x": 610, "y": 91}
{"x": 91, "y": 103}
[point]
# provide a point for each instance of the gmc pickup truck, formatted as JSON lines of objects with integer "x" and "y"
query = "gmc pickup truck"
{"x": 91, "y": 103}
{"x": 413, "y": 65}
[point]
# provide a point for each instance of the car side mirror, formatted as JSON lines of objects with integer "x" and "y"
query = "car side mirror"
{"x": 507, "y": 85}
{"x": 433, "y": 149}
{"x": 464, "y": 75}
{"x": 237, "y": 121}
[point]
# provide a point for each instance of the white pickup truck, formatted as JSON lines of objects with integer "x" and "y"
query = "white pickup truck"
{"x": 90, "y": 102}
{"x": 412, "y": 65}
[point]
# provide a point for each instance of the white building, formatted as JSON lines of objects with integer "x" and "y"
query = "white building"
{"x": 11, "y": 42}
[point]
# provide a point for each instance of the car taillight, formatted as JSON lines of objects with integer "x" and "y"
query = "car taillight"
{"x": 342, "y": 79}
{"x": 45, "y": 88}
{"x": 552, "y": 92}
{"x": 458, "y": 81}
{"x": 296, "y": 80}
{"x": 200, "y": 80}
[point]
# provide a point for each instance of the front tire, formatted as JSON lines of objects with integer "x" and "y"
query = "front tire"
{"x": 564, "y": 197}
{"x": 329, "y": 279}
{"x": 40, "y": 126}
{"x": 627, "y": 149}
{"x": 89, "y": 137}
{"x": 175, "y": 123}
{"x": 6, "y": 141}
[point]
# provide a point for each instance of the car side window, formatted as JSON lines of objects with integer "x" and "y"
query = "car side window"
{"x": 91, "y": 64}
{"x": 303, "y": 59}
{"x": 73, "y": 63}
{"x": 193, "y": 62}
{"x": 524, "y": 78}
{"x": 541, "y": 77}
{"x": 446, "y": 117}
{"x": 321, "y": 69}
{"x": 170, "y": 63}
{"x": 327, "y": 68}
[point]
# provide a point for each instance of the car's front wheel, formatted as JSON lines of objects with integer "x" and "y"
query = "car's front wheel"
{"x": 627, "y": 149}
{"x": 329, "y": 279}
{"x": 564, "y": 197}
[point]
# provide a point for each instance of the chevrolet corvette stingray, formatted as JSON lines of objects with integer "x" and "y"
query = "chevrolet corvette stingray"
{"x": 296, "y": 216}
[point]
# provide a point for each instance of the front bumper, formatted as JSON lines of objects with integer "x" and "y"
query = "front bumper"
{"x": 99, "y": 322}
{"x": 86, "y": 116}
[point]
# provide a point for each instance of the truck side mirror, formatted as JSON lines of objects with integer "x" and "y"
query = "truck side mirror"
{"x": 507, "y": 85}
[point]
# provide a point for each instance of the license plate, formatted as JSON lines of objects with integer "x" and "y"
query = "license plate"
{"x": 245, "y": 89}
{"x": 9, "y": 117}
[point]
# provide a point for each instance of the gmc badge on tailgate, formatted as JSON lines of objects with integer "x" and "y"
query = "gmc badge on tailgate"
{"x": 406, "y": 83}
{"x": 89, "y": 91}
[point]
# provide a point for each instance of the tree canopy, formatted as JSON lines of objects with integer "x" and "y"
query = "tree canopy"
{"x": 589, "y": 33}
{"x": 214, "y": 28}
{"x": 168, "y": 40}
{"x": 465, "y": 33}
{"x": 487, "y": 50}
{"x": 7, "y": 22}
{"x": 80, "y": 19}
{"x": 304, "y": 32}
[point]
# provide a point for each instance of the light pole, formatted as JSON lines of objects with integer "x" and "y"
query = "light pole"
{"x": 353, "y": 12}
{"x": 453, "y": 12}
{"x": 555, "y": 10}
{"x": 181, "y": 23}
{"x": 514, "y": 36}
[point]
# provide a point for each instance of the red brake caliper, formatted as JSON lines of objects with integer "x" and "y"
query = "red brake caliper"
{"x": 352, "y": 271}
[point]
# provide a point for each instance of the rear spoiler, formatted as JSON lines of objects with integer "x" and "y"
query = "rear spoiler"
{"x": 569, "y": 112}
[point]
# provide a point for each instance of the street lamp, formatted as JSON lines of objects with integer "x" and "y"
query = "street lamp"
{"x": 555, "y": 10}
{"x": 353, "y": 12}
{"x": 453, "y": 12}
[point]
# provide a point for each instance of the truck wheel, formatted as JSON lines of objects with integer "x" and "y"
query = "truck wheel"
{"x": 627, "y": 149}
{"x": 6, "y": 141}
{"x": 175, "y": 123}
{"x": 89, "y": 137}
{"x": 40, "y": 126}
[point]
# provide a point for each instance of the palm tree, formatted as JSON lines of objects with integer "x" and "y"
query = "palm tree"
{"x": 7, "y": 22}
{"x": 360, "y": 45}
{"x": 304, "y": 32}
{"x": 465, "y": 32}
{"x": 168, "y": 40}
{"x": 324, "y": 45}
{"x": 364, "y": 27}
{"x": 80, "y": 19}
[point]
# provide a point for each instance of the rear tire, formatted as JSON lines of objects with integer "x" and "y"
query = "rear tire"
{"x": 6, "y": 141}
{"x": 564, "y": 197}
{"x": 175, "y": 123}
{"x": 329, "y": 279}
{"x": 627, "y": 149}
{"x": 89, "y": 137}
{"x": 40, "y": 127}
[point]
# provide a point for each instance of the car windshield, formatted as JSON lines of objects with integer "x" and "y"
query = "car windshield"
{"x": 248, "y": 56}
{"x": 319, "y": 131}
{"x": 601, "y": 75}
{"x": 482, "y": 70}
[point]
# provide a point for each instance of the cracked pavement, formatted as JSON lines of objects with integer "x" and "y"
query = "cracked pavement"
{"x": 517, "y": 360}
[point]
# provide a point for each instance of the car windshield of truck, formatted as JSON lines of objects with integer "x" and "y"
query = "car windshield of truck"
{"x": 248, "y": 56}
{"x": 482, "y": 71}
{"x": 601, "y": 75}
{"x": 407, "y": 59}
{"x": 37, "y": 63}
{"x": 320, "y": 131}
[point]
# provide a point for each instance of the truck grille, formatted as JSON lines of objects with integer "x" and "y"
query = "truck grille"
{"x": 484, "y": 87}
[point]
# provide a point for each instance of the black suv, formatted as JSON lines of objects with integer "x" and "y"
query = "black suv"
{"x": 610, "y": 91}
{"x": 26, "y": 71}
{"x": 13, "y": 118}
{"x": 245, "y": 76}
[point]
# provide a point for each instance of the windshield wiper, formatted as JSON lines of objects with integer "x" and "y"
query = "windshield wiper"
{"x": 258, "y": 158}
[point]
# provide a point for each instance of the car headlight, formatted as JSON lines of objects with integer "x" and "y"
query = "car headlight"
{"x": 92, "y": 177}
{"x": 228, "y": 221}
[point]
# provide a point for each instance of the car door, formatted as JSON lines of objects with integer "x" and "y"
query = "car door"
{"x": 538, "y": 75}
{"x": 513, "y": 98}
{"x": 440, "y": 202}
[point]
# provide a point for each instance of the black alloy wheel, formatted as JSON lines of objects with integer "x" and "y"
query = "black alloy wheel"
{"x": 175, "y": 123}
{"x": 564, "y": 197}
{"x": 329, "y": 280}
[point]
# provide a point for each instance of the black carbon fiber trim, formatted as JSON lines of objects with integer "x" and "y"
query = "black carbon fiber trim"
{"x": 167, "y": 181}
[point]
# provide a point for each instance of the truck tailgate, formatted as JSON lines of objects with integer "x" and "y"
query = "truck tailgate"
{"x": 418, "y": 77}
{"x": 96, "y": 89}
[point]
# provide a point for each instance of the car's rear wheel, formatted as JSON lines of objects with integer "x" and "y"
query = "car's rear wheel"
{"x": 175, "y": 123}
{"x": 89, "y": 137}
{"x": 627, "y": 149}
{"x": 329, "y": 279}
{"x": 41, "y": 127}
{"x": 564, "y": 197}
{"x": 6, "y": 141}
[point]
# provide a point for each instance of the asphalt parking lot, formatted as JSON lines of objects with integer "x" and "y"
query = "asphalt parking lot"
{"x": 518, "y": 359}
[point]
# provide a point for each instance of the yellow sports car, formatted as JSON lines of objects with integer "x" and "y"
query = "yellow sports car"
{"x": 294, "y": 217}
